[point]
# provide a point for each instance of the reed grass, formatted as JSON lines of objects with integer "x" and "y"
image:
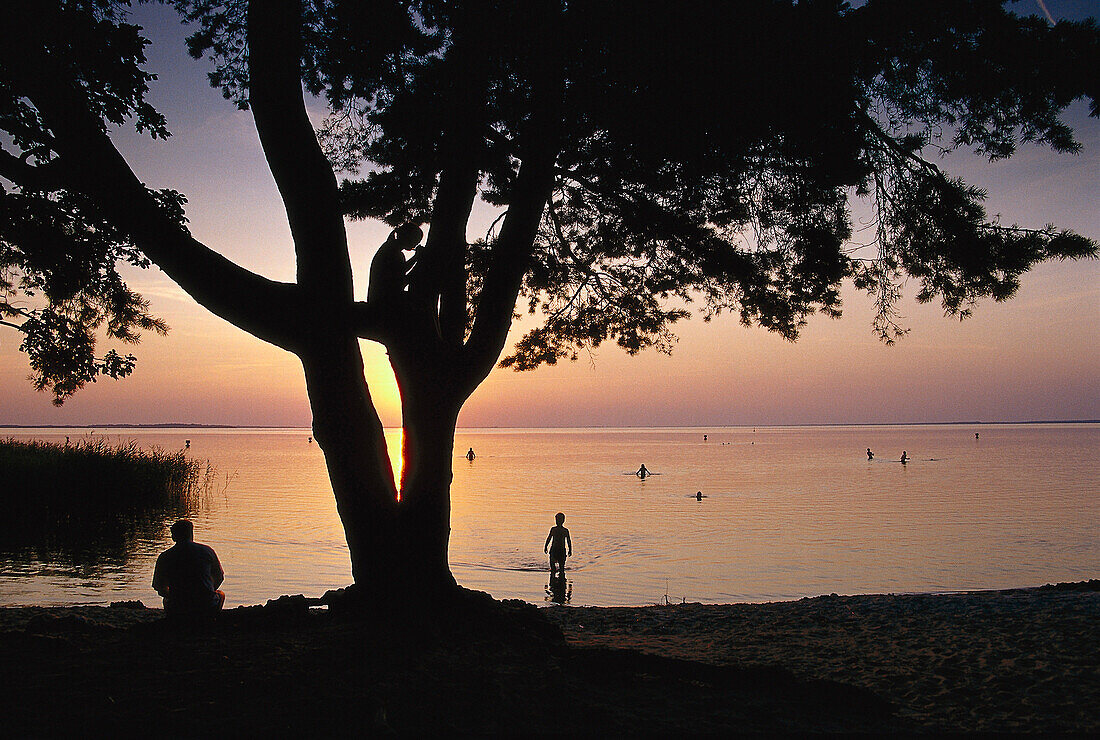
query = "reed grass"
{"x": 85, "y": 500}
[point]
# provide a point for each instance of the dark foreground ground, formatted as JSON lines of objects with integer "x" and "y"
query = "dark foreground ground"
{"x": 1021, "y": 660}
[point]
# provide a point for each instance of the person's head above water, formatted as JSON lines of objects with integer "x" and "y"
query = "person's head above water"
{"x": 407, "y": 235}
{"x": 559, "y": 518}
{"x": 183, "y": 531}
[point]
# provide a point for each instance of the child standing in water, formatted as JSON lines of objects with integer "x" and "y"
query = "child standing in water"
{"x": 556, "y": 543}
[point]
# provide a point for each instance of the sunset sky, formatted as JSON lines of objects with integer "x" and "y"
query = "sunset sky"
{"x": 1034, "y": 357}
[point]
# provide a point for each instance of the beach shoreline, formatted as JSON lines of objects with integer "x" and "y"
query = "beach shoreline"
{"x": 1018, "y": 660}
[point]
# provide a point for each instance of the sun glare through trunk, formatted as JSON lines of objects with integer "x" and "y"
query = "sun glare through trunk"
{"x": 395, "y": 444}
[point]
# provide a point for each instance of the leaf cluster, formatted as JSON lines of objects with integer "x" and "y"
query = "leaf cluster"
{"x": 59, "y": 281}
{"x": 710, "y": 163}
{"x": 59, "y": 285}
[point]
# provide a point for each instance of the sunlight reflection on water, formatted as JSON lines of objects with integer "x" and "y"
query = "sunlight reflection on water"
{"x": 788, "y": 512}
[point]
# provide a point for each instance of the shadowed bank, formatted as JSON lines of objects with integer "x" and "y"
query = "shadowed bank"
{"x": 1013, "y": 660}
{"x": 489, "y": 667}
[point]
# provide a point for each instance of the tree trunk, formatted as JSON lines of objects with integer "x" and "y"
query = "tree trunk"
{"x": 398, "y": 547}
{"x": 424, "y": 514}
{"x": 350, "y": 434}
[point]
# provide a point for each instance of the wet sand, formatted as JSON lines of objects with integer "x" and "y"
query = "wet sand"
{"x": 1022, "y": 660}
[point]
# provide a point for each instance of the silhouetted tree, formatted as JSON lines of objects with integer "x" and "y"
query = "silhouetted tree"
{"x": 643, "y": 157}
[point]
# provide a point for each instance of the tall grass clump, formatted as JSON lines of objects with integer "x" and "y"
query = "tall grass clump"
{"x": 90, "y": 500}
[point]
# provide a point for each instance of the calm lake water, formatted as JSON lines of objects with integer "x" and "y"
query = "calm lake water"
{"x": 788, "y": 512}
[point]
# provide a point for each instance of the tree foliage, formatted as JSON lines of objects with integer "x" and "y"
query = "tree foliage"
{"x": 59, "y": 282}
{"x": 708, "y": 151}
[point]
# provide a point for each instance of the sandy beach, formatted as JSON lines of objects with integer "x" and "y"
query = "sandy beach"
{"x": 1022, "y": 660}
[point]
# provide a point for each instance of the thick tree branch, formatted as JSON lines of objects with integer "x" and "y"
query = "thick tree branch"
{"x": 444, "y": 252}
{"x": 368, "y": 321}
{"x": 35, "y": 177}
{"x": 304, "y": 177}
{"x": 93, "y": 166}
{"x": 441, "y": 272}
{"x": 533, "y": 187}
{"x": 510, "y": 257}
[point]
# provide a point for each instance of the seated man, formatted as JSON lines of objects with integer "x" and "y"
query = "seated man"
{"x": 188, "y": 575}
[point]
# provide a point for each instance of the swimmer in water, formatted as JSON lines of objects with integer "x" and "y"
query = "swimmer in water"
{"x": 643, "y": 472}
{"x": 470, "y": 454}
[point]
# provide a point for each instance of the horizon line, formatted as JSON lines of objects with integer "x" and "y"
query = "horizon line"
{"x": 183, "y": 425}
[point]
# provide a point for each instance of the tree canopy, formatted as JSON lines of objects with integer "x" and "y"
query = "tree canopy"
{"x": 58, "y": 251}
{"x": 705, "y": 152}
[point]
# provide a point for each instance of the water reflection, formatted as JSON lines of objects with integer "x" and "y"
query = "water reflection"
{"x": 799, "y": 513}
{"x": 83, "y": 542}
{"x": 88, "y": 507}
{"x": 558, "y": 589}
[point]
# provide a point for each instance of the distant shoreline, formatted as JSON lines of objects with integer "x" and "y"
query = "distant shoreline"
{"x": 180, "y": 425}
{"x": 171, "y": 425}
